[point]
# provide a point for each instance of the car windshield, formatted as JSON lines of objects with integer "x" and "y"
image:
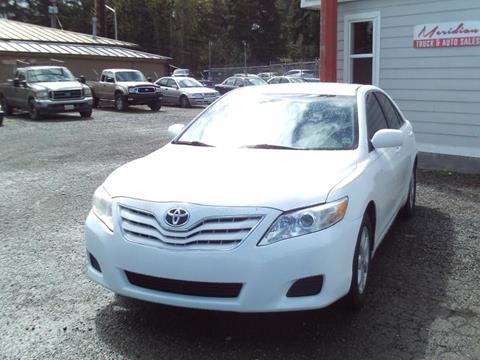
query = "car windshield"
{"x": 49, "y": 75}
{"x": 255, "y": 81}
{"x": 291, "y": 121}
{"x": 296, "y": 80}
{"x": 127, "y": 76}
{"x": 189, "y": 83}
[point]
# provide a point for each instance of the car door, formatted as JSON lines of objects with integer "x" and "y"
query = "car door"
{"x": 163, "y": 83}
{"x": 382, "y": 165}
{"x": 100, "y": 89}
{"x": 109, "y": 86}
{"x": 173, "y": 91}
{"x": 402, "y": 156}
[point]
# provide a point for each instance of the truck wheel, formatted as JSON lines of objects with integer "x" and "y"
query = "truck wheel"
{"x": 155, "y": 106}
{"x": 7, "y": 109}
{"x": 33, "y": 111}
{"x": 86, "y": 114}
{"x": 120, "y": 103}
{"x": 184, "y": 103}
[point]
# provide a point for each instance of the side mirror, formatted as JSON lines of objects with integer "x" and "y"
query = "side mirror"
{"x": 16, "y": 82}
{"x": 174, "y": 130}
{"x": 82, "y": 79}
{"x": 110, "y": 80}
{"x": 387, "y": 138}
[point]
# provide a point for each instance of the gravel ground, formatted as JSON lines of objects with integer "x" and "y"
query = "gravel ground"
{"x": 424, "y": 294}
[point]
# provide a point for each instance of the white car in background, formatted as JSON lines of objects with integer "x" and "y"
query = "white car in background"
{"x": 275, "y": 198}
{"x": 185, "y": 91}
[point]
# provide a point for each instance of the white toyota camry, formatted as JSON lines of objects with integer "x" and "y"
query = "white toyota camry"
{"x": 274, "y": 198}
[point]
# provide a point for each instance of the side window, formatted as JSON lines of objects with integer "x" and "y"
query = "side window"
{"x": 273, "y": 81}
{"x": 103, "y": 78}
{"x": 21, "y": 75}
{"x": 389, "y": 110}
{"x": 230, "y": 81}
{"x": 284, "y": 81}
{"x": 239, "y": 82}
{"x": 109, "y": 77}
{"x": 375, "y": 118}
{"x": 163, "y": 82}
{"x": 171, "y": 83}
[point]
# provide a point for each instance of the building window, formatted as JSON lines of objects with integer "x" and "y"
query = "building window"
{"x": 361, "y": 48}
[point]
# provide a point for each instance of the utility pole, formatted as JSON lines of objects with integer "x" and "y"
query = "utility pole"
{"x": 101, "y": 24}
{"x": 244, "y": 56}
{"x": 94, "y": 20}
{"x": 53, "y": 11}
{"x": 210, "y": 43}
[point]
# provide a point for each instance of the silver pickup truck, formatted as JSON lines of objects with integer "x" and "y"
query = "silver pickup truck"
{"x": 46, "y": 89}
{"x": 126, "y": 87}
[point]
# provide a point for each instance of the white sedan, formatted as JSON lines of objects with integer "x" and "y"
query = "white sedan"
{"x": 275, "y": 198}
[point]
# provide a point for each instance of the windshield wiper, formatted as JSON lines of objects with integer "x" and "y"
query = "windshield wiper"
{"x": 192, "y": 143}
{"x": 270, "y": 146}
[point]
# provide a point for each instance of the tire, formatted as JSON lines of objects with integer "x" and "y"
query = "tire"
{"x": 95, "y": 102}
{"x": 86, "y": 114}
{"x": 184, "y": 103}
{"x": 156, "y": 106}
{"x": 1, "y": 118}
{"x": 33, "y": 111}
{"x": 120, "y": 103}
{"x": 408, "y": 210}
{"x": 361, "y": 265}
{"x": 7, "y": 109}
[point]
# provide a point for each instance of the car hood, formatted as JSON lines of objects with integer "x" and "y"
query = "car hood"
{"x": 281, "y": 179}
{"x": 60, "y": 85}
{"x": 135, "y": 83}
{"x": 197, "y": 90}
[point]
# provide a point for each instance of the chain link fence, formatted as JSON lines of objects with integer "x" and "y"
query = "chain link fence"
{"x": 219, "y": 74}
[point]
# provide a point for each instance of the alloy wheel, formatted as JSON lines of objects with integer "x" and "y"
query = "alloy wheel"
{"x": 363, "y": 260}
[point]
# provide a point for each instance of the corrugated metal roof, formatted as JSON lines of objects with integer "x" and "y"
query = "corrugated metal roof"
{"x": 75, "y": 49}
{"x": 16, "y": 30}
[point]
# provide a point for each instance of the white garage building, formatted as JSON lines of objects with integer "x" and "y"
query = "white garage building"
{"x": 426, "y": 55}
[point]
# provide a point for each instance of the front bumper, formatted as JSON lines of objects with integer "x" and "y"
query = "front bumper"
{"x": 143, "y": 99}
{"x": 202, "y": 101}
{"x": 266, "y": 273}
{"x": 57, "y": 106}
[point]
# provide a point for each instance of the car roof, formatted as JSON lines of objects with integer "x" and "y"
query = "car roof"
{"x": 40, "y": 67}
{"x": 116, "y": 70}
{"x": 305, "y": 88}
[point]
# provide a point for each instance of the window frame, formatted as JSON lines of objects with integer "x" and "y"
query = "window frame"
{"x": 400, "y": 121}
{"x": 350, "y": 19}
{"x": 372, "y": 93}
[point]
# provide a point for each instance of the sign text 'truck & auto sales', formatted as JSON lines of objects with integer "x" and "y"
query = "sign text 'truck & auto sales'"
{"x": 448, "y": 34}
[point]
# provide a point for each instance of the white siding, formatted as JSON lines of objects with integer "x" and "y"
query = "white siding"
{"x": 437, "y": 89}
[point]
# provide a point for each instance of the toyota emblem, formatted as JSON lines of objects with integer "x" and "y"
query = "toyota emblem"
{"x": 177, "y": 217}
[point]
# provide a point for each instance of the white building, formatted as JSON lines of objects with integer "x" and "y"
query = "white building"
{"x": 426, "y": 55}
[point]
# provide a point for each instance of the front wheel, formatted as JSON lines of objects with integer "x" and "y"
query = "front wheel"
{"x": 33, "y": 111}
{"x": 86, "y": 114}
{"x": 184, "y": 103}
{"x": 408, "y": 209}
{"x": 361, "y": 265}
{"x": 155, "y": 106}
{"x": 7, "y": 109}
{"x": 120, "y": 103}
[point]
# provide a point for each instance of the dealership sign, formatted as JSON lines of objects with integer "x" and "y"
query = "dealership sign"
{"x": 448, "y": 34}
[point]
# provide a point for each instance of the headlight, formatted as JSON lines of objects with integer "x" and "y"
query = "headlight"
{"x": 42, "y": 94}
{"x": 305, "y": 221}
{"x": 102, "y": 206}
{"x": 87, "y": 91}
{"x": 131, "y": 90}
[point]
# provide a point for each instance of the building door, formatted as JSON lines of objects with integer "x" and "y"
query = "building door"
{"x": 361, "y": 49}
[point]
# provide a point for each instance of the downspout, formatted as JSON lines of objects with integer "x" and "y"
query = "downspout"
{"x": 328, "y": 41}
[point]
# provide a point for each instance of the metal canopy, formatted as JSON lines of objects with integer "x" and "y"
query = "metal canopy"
{"x": 75, "y": 49}
{"x": 16, "y": 30}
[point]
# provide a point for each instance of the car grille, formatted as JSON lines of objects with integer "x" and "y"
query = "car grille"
{"x": 192, "y": 288}
{"x": 210, "y": 95}
{"x": 142, "y": 90}
{"x": 66, "y": 94}
{"x": 210, "y": 233}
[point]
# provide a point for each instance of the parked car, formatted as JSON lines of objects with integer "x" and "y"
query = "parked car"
{"x": 45, "y": 89}
{"x": 300, "y": 73}
{"x": 267, "y": 75}
{"x": 309, "y": 79}
{"x": 285, "y": 80}
{"x": 126, "y": 87}
{"x": 181, "y": 72}
{"x": 235, "y": 82}
{"x": 295, "y": 188}
{"x": 186, "y": 91}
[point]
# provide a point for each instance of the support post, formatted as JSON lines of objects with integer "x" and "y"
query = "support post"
{"x": 328, "y": 41}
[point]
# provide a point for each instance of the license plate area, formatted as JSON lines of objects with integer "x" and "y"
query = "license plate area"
{"x": 69, "y": 107}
